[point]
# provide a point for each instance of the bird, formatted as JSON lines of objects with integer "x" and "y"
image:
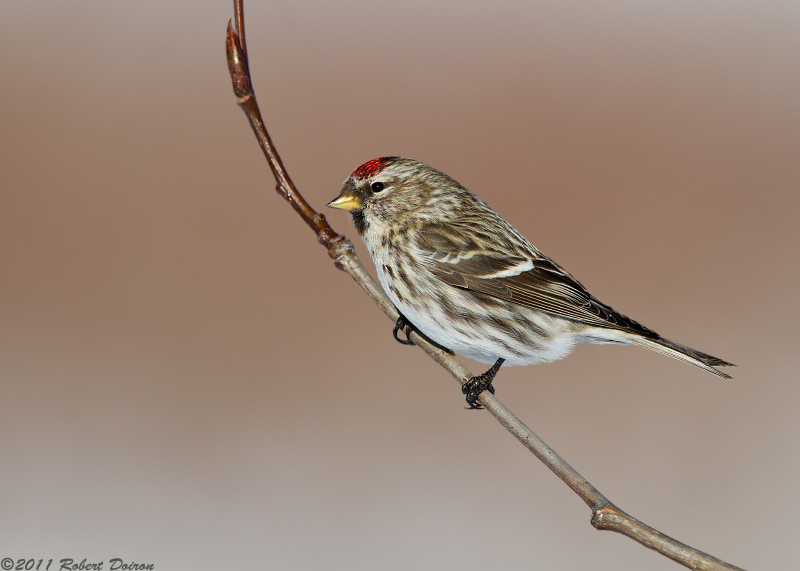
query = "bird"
{"x": 467, "y": 280}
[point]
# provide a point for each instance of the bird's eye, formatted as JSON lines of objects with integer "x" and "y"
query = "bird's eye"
{"x": 377, "y": 186}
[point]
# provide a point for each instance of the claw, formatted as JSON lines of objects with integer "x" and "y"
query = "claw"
{"x": 406, "y": 326}
{"x": 476, "y": 385}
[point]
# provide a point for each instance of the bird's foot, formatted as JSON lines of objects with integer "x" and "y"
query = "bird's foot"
{"x": 476, "y": 385}
{"x": 406, "y": 327}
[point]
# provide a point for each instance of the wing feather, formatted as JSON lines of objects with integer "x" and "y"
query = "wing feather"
{"x": 516, "y": 272}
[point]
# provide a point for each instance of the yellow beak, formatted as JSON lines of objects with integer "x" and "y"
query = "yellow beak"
{"x": 346, "y": 202}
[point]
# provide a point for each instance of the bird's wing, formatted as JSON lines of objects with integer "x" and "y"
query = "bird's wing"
{"x": 515, "y": 272}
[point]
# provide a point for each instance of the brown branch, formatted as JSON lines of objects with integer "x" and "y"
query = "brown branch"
{"x": 240, "y": 75}
{"x": 605, "y": 515}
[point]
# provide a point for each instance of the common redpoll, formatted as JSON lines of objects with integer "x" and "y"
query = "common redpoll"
{"x": 467, "y": 280}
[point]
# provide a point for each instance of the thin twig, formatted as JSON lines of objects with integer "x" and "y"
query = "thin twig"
{"x": 605, "y": 515}
{"x": 238, "y": 16}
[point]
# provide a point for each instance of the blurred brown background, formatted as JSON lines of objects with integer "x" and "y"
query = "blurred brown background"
{"x": 187, "y": 380}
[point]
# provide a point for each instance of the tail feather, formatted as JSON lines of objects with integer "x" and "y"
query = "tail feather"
{"x": 682, "y": 353}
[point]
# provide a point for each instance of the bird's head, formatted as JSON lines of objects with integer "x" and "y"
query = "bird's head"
{"x": 389, "y": 190}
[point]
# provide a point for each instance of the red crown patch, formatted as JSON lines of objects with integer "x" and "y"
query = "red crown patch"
{"x": 370, "y": 168}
